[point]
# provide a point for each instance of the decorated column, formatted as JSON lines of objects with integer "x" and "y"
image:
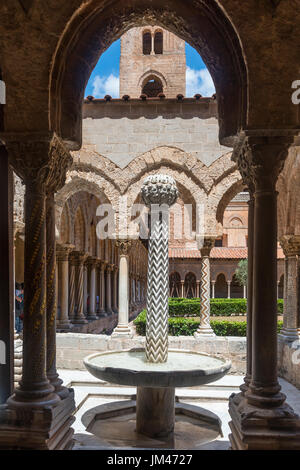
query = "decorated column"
{"x": 204, "y": 326}
{"x": 123, "y": 319}
{"x": 63, "y": 263}
{"x": 72, "y": 292}
{"x": 92, "y": 262}
{"x": 108, "y": 289}
{"x": 79, "y": 259}
{"x": 102, "y": 288}
{"x": 51, "y": 273}
{"x": 262, "y": 410}
{"x": 159, "y": 192}
{"x": 291, "y": 248}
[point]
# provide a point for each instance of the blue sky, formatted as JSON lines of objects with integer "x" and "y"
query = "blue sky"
{"x": 105, "y": 77}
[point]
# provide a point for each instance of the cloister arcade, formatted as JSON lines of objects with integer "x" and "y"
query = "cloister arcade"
{"x": 41, "y": 137}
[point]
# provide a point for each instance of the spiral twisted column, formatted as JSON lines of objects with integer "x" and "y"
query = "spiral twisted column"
{"x": 72, "y": 289}
{"x": 79, "y": 259}
{"x": 159, "y": 192}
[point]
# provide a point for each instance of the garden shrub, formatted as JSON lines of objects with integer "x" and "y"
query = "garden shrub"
{"x": 181, "y": 326}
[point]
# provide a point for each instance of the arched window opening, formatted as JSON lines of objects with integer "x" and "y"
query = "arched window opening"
{"x": 221, "y": 287}
{"x": 174, "y": 283}
{"x": 158, "y": 43}
{"x": 236, "y": 288}
{"x": 153, "y": 87}
{"x": 147, "y": 43}
{"x": 190, "y": 286}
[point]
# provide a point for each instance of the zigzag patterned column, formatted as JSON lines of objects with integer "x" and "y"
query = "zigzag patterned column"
{"x": 204, "y": 327}
{"x": 159, "y": 192}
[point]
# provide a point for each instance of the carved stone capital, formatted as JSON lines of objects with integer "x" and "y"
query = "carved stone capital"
{"x": 41, "y": 160}
{"x": 63, "y": 251}
{"x": 92, "y": 261}
{"x": 290, "y": 245}
{"x": 159, "y": 189}
{"x": 260, "y": 159}
{"x": 206, "y": 247}
{"x": 77, "y": 258}
{"x": 124, "y": 246}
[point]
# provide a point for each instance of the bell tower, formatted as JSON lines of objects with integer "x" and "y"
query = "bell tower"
{"x": 152, "y": 61}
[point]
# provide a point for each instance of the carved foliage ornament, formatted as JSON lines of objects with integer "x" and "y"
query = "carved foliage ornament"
{"x": 261, "y": 159}
{"x": 124, "y": 246}
{"x": 40, "y": 161}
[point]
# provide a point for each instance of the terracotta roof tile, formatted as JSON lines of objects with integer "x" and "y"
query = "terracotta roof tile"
{"x": 216, "y": 253}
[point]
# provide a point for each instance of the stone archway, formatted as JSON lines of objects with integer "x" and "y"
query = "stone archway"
{"x": 94, "y": 27}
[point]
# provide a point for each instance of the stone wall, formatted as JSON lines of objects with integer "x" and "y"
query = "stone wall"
{"x": 73, "y": 348}
{"x": 122, "y": 130}
{"x": 289, "y": 361}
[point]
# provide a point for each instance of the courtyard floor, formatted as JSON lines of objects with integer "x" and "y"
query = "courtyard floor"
{"x": 91, "y": 392}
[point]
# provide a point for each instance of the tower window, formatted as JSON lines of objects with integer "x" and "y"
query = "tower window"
{"x": 147, "y": 43}
{"x": 158, "y": 43}
{"x": 152, "y": 87}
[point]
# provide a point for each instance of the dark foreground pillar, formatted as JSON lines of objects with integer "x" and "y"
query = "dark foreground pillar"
{"x": 261, "y": 419}
{"x": 6, "y": 279}
{"x": 35, "y": 417}
{"x": 155, "y": 411}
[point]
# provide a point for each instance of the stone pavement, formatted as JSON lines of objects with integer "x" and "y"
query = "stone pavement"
{"x": 91, "y": 392}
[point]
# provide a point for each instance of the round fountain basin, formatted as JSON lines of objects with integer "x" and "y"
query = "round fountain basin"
{"x": 183, "y": 368}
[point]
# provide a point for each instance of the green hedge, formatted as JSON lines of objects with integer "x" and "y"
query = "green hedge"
{"x": 181, "y": 326}
{"x": 179, "y": 307}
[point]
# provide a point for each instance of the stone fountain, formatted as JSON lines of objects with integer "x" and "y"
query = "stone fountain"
{"x": 156, "y": 370}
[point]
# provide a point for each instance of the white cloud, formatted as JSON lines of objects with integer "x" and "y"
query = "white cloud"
{"x": 199, "y": 81}
{"x": 106, "y": 86}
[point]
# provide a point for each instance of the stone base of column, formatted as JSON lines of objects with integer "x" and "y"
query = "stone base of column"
{"x": 64, "y": 325}
{"x": 204, "y": 331}
{"x": 122, "y": 330}
{"x": 79, "y": 320}
{"x": 289, "y": 335}
{"x": 44, "y": 429}
{"x": 255, "y": 428}
{"x": 92, "y": 317}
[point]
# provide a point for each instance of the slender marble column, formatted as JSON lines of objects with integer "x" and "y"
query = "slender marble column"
{"x": 85, "y": 289}
{"x": 213, "y": 287}
{"x": 52, "y": 374}
{"x": 204, "y": 327}
{"x": 92, "y": 262}
{"x": 102, "y": 289}
{"x": 108, "y": 289}
{"x": 197, "y": 289}
{"x": 228, "y": 290}
{"x": 34, "y": 388}
{"x": 291, "y": 247}
{"x": 182, "y": 288}
{"x": 115, "y": 290}
{"x": 123, "y": 319}
{"x": 79, "y": 258}
{"x": 63, "y": 261}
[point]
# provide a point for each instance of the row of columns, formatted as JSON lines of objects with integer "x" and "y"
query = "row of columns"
{"x": 74, "y": 268}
